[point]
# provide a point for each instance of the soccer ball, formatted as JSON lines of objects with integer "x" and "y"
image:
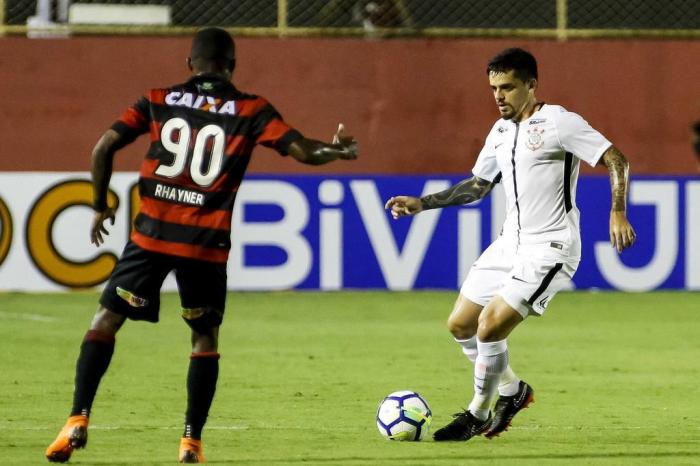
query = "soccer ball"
{"x": 404, "y": 415}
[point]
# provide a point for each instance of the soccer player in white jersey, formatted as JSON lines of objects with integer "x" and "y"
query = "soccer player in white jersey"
{"x": 534, "y": 149}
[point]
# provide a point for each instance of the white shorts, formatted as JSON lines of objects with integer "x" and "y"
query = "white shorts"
{"x": 526, "y": 277}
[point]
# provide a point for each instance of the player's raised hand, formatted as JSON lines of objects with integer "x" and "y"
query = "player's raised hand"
{"x": 403, "y": 205}
{"x": 98, "y": 228}
{"x": 348, "y": 143}
{"x": 622, "y": 234}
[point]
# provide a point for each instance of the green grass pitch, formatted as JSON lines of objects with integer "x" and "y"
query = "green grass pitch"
{"x": 616, "y": 378}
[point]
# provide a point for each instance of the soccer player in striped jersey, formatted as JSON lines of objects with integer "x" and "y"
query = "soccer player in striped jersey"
{"x": 534, "y": 149}
{"x": 202, "y": 134}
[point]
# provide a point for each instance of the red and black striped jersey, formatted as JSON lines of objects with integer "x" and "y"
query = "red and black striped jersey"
{"x": 202, "y": 135}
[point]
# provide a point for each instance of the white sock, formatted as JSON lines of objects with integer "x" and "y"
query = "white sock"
{"x": 491, "y": 362}
{"x": 509, "y": 383}
{"x": 468, "y": 348}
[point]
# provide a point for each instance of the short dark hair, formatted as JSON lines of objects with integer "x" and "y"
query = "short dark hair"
{"x": 213, "y": 45}
{"x": 520, "y": 61}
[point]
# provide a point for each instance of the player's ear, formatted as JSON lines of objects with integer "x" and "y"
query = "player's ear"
{"x": 189, "y": 63}
{"x": 232, "y": 65}
{"x": 533, "y": 84}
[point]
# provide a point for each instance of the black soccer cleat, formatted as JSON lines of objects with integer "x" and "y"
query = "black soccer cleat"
{"x": 463, "y": 427}
{"x": 507, "y": 407}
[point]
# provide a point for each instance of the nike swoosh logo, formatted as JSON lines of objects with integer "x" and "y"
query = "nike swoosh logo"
{"x": 519, "y": 279}
{"x": 498, "y": 145}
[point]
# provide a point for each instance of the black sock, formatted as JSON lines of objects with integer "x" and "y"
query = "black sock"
{"x": 201, "y": 385}
{"x": 95, "y": 355}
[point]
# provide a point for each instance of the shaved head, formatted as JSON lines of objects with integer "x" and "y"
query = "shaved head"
{"x": 213, "y": 49}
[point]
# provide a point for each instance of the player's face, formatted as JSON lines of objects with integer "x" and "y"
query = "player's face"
{"x": 512, "y": 95}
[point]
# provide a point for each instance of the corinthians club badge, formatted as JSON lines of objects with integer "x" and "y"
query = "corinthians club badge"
{"x": 534, "y": 139}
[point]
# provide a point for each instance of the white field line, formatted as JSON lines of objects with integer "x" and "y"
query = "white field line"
{"x": 6, "y": 426}
{"x": 99, "y": 427}
{"x": 26, "y": 316}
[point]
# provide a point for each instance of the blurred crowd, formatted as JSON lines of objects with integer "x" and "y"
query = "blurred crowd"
{"x": 370, "y": 14}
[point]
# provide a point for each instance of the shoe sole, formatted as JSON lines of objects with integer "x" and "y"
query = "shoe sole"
{"x": 189, "y": 457}
{"x": 528, "y": 402}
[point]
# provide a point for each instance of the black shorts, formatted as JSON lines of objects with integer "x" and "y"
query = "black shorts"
{"x": 133, "y": 289}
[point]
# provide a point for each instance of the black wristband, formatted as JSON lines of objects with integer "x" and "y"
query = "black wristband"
{"x": 100, "y": 205}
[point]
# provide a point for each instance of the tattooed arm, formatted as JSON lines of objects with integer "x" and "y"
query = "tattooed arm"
{"x": 464, "y": 192}
{"x": 313, "y": 152}
{"x": 622, "y": 234}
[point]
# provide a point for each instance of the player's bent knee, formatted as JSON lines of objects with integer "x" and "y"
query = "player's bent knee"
{"x": 205, "y": 345}
{"x": 461, "y": 329}
{"x": 107, "y": 322}
{"x": 464, "y": 318}
{"x": 203, "y": 319}
{"x": 487, "y": 332}
{"x": 496, "y": 322}
{"x": 489, "y": 328}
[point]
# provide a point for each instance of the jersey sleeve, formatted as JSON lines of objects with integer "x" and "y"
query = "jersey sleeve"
{"x": 135, "y": 121}
{"x": 486, "y": 166}
{"x": 579, "y": 138}
{"x": 270, "y": 130}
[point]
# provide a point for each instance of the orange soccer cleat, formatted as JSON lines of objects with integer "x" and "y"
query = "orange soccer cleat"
{"x": 72, "y": 436}
{"x": 191, "y": 451}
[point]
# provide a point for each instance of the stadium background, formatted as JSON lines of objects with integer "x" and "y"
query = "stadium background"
{"x": 409, "y": 83}
{"x": 302, "y": 373}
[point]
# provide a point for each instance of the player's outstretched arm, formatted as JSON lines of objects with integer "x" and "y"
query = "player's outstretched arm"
{"x": 622, "y": 234}
{"x": 101, "y": 171}
{"x": 313, "y": 152}
{"x": 464, "y": 192}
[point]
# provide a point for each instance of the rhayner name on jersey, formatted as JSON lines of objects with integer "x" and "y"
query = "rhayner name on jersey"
{"x": 172, "y": 193}
{"x": 201, "y": 102}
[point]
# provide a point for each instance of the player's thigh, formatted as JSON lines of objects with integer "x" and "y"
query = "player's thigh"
{"x": 488, "y": 273}
{"x": 202, "y": 287}
{"x": 464, "y": 318}
{"x": 133, "y": 289}
{"x": 535, "y": 281}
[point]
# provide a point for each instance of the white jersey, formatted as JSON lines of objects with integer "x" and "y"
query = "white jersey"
{"x": 537, "y": 160}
